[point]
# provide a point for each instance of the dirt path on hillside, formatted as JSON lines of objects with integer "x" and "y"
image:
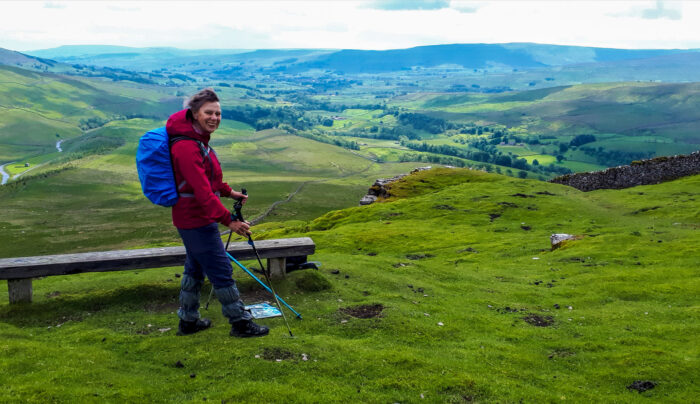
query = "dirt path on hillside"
{"x": 300, "y": 187}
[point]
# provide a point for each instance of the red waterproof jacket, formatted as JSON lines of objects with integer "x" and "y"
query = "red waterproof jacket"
{"x": 199, "y": 179}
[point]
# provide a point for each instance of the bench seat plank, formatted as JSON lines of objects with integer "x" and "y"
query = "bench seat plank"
{"x": 66, "y": 264}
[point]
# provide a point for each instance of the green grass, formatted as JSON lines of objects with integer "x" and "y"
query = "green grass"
{"x": 459, "y": 236}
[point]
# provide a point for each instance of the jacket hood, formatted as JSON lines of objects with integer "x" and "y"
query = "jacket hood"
{"x": 180, "y": 124}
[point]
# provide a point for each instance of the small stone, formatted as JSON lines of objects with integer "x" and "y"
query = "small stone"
{"x": 340, "y": 300}
{"x": 335, "y": 271}
{"x": 304, "y": 357}
{"x": 164, "y": 329}
{"x": 421, "y": 395}
{"x": 343, "y": 321}
{"x": 535, "y": 258}
{"x": 426, "y": 314}
{"x": 257, "y": 356}
{"x": 489, "y": 306}
{"x": 149, "y": 326}
{"x": 278, "y": 360}
{"x": 440, "y": 324}
{"x": 425, "y": 295}
{"x": 570, "y": 308}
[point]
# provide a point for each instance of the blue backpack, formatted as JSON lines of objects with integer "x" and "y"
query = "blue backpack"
{"x": 155, "y": 166}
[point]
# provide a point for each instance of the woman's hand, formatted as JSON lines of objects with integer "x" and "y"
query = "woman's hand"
{"x": 237, "y": 195}
{"x": 240, "y": 228}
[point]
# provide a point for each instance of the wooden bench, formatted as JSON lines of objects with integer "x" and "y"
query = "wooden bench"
{"x": 20, "y": 271}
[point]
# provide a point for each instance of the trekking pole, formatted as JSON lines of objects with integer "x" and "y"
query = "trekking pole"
{"x": 237, "y": 207}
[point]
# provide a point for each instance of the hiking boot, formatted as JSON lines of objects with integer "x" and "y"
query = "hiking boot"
{"x": 191, "y": 327}
{"x": 247, "y": 328}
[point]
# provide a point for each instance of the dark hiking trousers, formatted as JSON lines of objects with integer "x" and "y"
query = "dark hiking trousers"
{"x": 206, "y": 256}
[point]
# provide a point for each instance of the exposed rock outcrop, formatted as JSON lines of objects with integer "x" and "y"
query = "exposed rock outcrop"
{"x": 644, "y": 172}
{"x": 379, "y": 190}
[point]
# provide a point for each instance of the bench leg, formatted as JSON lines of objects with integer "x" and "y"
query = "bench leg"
{"x": 20, "y": 290}
{"x": 277, "y": 267}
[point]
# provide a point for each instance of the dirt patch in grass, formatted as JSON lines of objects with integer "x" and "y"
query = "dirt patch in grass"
{"x": 641, "y": 385}
{"x": 560, "y": 353}
{"x": 519, "y": 195}
{"x": 419, "y": 256}
{"x": 364, "y": 311}
{"x": 161, "y": 307}
{"x": 494, "y": 216}
{"x": 539, "y": 321}
{"x": 275, "y": 353}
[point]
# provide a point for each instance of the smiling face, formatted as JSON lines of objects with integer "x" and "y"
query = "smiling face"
{"x": 208, "y": 117}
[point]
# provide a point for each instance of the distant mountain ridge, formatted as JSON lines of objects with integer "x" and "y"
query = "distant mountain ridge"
{"x": 472, "y": 56}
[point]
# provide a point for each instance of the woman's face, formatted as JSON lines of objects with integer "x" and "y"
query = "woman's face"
{"x": 209, "y": 116}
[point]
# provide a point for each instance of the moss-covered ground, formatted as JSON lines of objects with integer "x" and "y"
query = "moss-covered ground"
{"x": 471, "y": 305}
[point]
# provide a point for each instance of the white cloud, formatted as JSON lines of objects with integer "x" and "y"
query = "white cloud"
{"x": 347, "y": 24}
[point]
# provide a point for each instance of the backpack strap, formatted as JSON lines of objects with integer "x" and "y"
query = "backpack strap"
{"x": 205, "y": 150}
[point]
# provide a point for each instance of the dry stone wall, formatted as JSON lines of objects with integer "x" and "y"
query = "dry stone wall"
{"x": 644, "y": 172}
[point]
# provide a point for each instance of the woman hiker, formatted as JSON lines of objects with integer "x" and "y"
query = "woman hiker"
{"x": 198, "y": 213}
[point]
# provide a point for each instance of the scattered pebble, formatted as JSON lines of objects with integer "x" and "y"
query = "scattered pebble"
{"x": 570, "y": 308}
{"x": 149, "y": 325}
{"x": 421, "y": 395}
{"x": 343, "y": 321}
{"x": 535, "y": 258}
{"x": 489, "y": 306}
{"x": 340, "y": 300}
{"x": 440, "y": 324}
{"x": 425, "y": 295}
{"x": 257, "y": 356}
{"x": 426, "y": 314}
{"x": 164, "y": 329}
{"x": 304, "y": 357}
{"x": 278, "y": 360}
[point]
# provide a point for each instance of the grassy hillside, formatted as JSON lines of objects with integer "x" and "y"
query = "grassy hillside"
{"x": 89, "y": 198}
{"x": 38, "y": 109}
{"x": 471, "y": 305}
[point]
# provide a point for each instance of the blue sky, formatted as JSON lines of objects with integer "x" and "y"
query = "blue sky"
{"x": 368, "y": 24}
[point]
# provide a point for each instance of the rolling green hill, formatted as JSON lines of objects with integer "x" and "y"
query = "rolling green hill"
{"x": 448, "y": 292}
{"x": 38, "y": 109}
{"x": 630, "y": 121}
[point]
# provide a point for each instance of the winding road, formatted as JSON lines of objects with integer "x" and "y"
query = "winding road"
{"x": 5, "y": 175}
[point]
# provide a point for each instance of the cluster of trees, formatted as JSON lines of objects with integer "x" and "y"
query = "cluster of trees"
{"x": 265, "y": 118}
{"x": 581, "y": 140}
{"x": 612, "y": 158}
{"x": 348, "y": 144}
{"x": 486, "y": 155}
{"x": 424, "y": 122}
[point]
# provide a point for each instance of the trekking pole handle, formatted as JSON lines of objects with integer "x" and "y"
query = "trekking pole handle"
{"x": 239, "y": 204}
